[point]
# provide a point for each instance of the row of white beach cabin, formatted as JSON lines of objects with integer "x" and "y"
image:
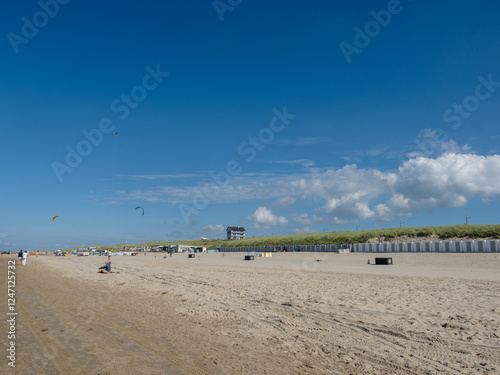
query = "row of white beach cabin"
{"x": 466, "y": 246}
{"x": 306, "y": 248}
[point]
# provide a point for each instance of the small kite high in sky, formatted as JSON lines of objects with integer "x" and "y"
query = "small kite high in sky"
{"x": 141, "y": 209}
{"x": 55, "y": 217}
{"x": 115, "y": 133}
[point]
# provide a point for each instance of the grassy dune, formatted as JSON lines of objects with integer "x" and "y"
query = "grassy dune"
{"x": 346, "y": 237}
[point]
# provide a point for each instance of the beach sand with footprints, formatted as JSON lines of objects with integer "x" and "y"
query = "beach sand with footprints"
{"x": 292, "y": 313}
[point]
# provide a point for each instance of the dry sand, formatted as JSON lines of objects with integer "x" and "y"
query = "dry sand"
{"x": 289, "y": 314}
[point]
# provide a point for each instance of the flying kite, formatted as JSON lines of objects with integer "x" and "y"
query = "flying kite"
{"x": 141, "y": 209}
{"x": 115, "y": 133}
{"x": 55, "y": 217}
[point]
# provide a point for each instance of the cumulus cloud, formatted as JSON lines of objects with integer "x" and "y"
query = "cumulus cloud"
{"x": 349, "y": 207}
{"x": 383, "y": 212}
{"x": 264, "y": 218}
{"x": 452, "y": 147}
{"x": 447, "y": 181}
{"x": 350, "y": 193}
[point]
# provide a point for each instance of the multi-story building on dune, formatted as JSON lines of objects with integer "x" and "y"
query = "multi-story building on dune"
{"x": 235, "y": 233}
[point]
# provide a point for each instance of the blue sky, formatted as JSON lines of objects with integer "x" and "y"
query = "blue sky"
{"x": 282, "y": 117}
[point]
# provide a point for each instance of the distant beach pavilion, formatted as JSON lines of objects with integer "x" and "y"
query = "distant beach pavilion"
{"x": 235, "y": 233}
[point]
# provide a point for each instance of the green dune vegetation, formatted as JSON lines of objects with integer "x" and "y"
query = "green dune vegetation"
{"x": 344, "y": 237}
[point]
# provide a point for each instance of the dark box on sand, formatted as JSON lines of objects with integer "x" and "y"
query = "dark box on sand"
{"x": 383, "y": 260}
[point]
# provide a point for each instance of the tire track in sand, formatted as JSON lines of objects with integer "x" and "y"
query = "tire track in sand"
{"x": 61, "y": 359}
{"x": 113, "y": 329}
{"x": 182, "y": 363}
{"x": 392, "y": 338}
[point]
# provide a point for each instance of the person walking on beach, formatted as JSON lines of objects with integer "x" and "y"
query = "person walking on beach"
{"x": 20, "y": 256}
{"x": 25, "y": 257}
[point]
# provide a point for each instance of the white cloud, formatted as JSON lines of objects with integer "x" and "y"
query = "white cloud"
{"x": 376, "y": 151}
{"x": 452, "y": 147}
{"x": 383, "y": 212}
{"x": 351, "y": 159}
{"x": 237, "y": 189}
{"x": 304, "y": 230}
{"x": 214, "y": 229}
{"x": 284, "y": 202}
{"x": 434, "y": 142}
{"x": 301, "y": 162}
{"x": 319, "y": 219}
{"x": 158, "y": 176}
{"x": 264, "y": 218}
{"x": 350, "y": 194}
{"x": 447, "y": 181}
{"x": 302, "y": 218}
{"x": 348, "y": 208}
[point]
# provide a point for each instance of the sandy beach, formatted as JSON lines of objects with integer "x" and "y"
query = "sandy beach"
{"x": 288, "y": 314}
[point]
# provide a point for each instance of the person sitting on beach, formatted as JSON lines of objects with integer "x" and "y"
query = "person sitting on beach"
{"x": 106, "y": 268}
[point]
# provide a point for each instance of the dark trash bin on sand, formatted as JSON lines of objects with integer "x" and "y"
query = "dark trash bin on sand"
{"x": 383, "y": 260}
{"x": 250, "y": 255}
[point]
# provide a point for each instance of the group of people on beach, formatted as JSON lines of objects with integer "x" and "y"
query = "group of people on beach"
{"x": 22, "y": 256}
